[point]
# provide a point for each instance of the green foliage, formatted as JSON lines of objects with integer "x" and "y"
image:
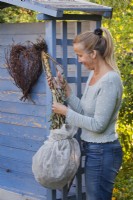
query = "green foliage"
{"x": 123, "y": 189}
{"x": 126, "y": 139}
{"x": 125, "y": 64}
{"x": 17, "y": 15}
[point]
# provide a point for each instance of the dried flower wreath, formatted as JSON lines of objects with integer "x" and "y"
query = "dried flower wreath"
{"x": 24, "y": 65}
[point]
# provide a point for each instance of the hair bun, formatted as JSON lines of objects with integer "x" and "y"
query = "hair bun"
{"x": 98, "y": 31}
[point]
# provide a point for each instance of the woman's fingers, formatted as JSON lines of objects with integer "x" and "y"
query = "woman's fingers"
{"x": 60, "y": 77}
{"x": 59, "y": 108}
{"x": 58, "y": 81}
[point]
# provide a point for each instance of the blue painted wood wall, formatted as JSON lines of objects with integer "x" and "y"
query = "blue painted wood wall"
{"x": 23, "y": 125}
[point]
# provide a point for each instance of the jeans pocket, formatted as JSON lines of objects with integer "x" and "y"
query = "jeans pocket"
{"x": 117, "y": 157}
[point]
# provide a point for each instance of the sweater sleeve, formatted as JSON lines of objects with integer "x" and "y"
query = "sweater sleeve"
{"x": 104, "y": 109}
{"x": 74, "y": 102}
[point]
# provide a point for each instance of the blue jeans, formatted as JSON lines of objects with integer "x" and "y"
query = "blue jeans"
{"x": 102, "y": 163}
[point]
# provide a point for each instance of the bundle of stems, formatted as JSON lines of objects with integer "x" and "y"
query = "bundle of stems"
{"x": 58, "y": 92}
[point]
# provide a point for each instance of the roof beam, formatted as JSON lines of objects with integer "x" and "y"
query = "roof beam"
{"x": 42, "y": 16}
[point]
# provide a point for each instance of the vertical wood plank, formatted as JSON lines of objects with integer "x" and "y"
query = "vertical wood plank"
{"x": 98, "y": 24}
{"x": 79, "y": 175}
{"x": 79, "y": 184}
{"x": 50, "y": 36}
{"x": 65, "y": 55}
{"x": 51, "y": 194}
{"x": 64, "y": 193}
{"x": 64, "y": 47}
{"x": 78, "y": 66}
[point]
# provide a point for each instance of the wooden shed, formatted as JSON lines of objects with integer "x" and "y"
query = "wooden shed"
{"x": 23, "y": 125}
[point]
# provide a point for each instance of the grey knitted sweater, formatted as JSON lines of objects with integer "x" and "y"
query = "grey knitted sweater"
{"x": 96, "y": 113}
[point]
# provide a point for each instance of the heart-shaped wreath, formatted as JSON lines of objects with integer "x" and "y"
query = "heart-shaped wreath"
{"x": 25, "y": 66}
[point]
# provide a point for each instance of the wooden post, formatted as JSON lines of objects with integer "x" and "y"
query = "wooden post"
{"x": 98, "y": 24}
{"x": 50, "y": 37}
{"x": 64, "y": 47}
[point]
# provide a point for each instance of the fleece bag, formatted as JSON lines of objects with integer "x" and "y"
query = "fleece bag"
{"x": 57, "y": 160}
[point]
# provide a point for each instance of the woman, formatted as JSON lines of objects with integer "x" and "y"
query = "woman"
{"x": 96, "y": 113}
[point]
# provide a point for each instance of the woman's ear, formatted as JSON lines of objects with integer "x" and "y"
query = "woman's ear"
{"x": 93, "y": 54}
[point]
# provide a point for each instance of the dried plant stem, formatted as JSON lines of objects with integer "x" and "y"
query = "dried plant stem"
{"x": 57, "y": 93}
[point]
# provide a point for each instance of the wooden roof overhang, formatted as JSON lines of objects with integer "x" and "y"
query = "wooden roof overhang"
{"x": 56, "y": 8}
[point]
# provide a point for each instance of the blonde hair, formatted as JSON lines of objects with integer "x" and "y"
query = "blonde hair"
{"x": 100, "y": 40}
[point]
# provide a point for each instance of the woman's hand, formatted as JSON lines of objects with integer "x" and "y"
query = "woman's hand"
{"x": 59, "y": 108}
{"x": 58, "y": 83}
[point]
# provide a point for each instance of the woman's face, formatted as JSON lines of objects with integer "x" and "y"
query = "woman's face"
{"x": 84, "y": 57}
